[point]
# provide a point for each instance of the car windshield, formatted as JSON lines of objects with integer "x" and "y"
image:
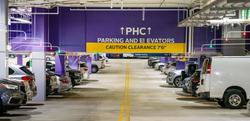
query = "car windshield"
{"x": 25, "y": 70}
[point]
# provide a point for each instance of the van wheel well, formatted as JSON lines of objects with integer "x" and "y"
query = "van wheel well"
{"x": 237, "y": 88}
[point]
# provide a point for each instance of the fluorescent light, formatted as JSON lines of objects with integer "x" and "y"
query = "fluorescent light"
{"x": 228, "y": 21}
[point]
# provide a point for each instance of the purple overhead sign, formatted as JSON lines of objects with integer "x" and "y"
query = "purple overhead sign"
{"x": 78, "y": 27}
{"x": 128, "y": 26}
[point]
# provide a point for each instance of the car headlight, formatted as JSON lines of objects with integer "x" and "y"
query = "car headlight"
{"x": 11, "y": 86}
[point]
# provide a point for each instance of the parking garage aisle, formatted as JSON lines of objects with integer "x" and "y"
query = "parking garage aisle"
{"x": 101, "y": 99}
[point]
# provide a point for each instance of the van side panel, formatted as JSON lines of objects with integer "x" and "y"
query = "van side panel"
{"x": 227, "y": 72}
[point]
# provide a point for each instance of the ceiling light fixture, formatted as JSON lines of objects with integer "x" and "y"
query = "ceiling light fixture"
{"x": 111, "y": 4}
{"x": 122, "y": 4}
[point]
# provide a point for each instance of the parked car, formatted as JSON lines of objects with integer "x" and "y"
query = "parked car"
{"x": 190, "y": 69}
{"x": 50, "y": 66}
{"x": 169, "y": 67}
{"x": 51, "y": 83}
{"x": 174, "y": 78}
{"x": 194, "y": 82}
{"x": 158, "y": 66}
{"x": 84, "y": 70}
{"x": 154, "y": 62}
{"x": 151, "y": 59}
{"x": 128, "y": 55}
{"x": 75, "y": 76}
{"x": 11, "y": 94}
{"x": 186, "y": 85}
{"x": 248, "y": 106}
{"x": 226, "y": 79}
{"x": 64, "y": 83}
{"x": 97, "y": 65}
{"x": 26, "y": 77}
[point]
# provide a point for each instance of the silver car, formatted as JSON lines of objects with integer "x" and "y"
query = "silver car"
{"x": 26, "y": 77}
{"x": 174, "y": 78}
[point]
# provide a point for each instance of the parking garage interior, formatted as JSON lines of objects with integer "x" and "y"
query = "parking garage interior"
{"x": 124, "y": 60}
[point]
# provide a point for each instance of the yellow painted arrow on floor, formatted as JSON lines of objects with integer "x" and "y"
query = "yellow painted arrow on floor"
{"x": 125, "y": 107}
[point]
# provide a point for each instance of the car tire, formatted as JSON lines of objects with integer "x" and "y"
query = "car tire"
{"x": 24, "y": 102}
{"x": 177, "y": 82}
{"x": 94, "y": 69}
{"x": 221, "y": 103}
{"x": 159, "y": 68}
{"x": 2, "y": 108}
{"x": 234, "y": 99}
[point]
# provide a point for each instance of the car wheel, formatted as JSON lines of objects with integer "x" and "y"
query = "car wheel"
{"x": 234, "y": 99}
{"x": 25, "y": 99}
{"x": 2, "y": 108}
{"x": 221, "y": 103}
{"x": 160, "y": 67}
{"x": 94, "y": 69}
{"x": 177, "y": 82}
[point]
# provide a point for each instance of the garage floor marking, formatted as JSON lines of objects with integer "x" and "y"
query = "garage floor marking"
{"x": 125, "y": 107}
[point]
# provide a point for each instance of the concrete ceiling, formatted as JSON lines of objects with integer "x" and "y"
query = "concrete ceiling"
{"x": 106, "y": 3}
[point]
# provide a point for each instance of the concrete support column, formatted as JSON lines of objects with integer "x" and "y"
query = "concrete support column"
{"x": 19, "y": 59}
{"x": 40, "y": 28}
{"x": 3, "y": 38}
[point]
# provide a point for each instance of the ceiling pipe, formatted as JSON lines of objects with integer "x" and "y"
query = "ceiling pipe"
{"x": 16, "y": 31}
{"x": 214, "y": 40}
{"x": 55, "y": 13}
{"x": 229, "y": 44}
{"x": 149, "y": 9}
{"x": 40, "y": 43}
{"x": 57, "y": 47}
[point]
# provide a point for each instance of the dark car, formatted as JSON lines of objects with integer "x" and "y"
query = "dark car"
{"x": 51, "y": 83}
{"x": 75, "y": 76}
{"x": 186, "y": 85}
{"x": 151, "y": 60}
{"x": 11, "y": 94}
{"x": 194, "y": 82}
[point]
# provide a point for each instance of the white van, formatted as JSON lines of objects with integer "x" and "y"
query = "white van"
{"x": 226, "y": 79}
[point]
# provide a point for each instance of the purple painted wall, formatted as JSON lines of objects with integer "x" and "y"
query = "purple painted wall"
{"x": 204, "y": 36}
{"x": 71, "y": 30}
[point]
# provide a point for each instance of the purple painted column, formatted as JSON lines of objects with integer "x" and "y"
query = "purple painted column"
{"x": 89, "y": 63}
{"x": 60, "y": 65}
{"x": 19, "y": 59}
{"x": 163, "y": 59}
{"x": 172, "y": 60}
{"x": 73, "y": 62}
{"x": 180, "y": 65}
{"x": 40, "y": 30}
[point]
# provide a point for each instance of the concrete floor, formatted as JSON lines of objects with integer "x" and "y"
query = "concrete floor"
{"x": 101, "y": 99}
